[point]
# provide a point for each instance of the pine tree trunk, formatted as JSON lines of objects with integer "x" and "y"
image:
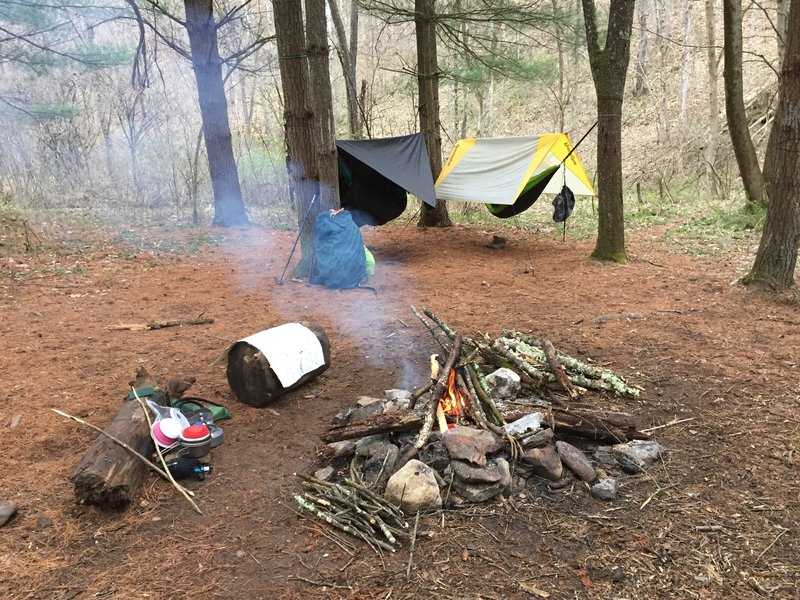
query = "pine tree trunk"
{"x": 202, "y": 31}
{"x": 322, "y": 103}
{"x": 735, "y": 111}
{"x": 776, "y": 257}
{"x": 609, "y": 69}
{"x": 298, "y": 121}
{"x": 429, "y": 118}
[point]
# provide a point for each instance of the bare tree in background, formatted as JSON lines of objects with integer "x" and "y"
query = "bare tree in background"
{"x": 641, "y": 87}
{"x": 687, "y": 62}
{"x": 347, "y": 51}
{"x": 776, "y": 258}
{"x": 207, "y": 66}
{"x": 609, "y": 65}
{"x": 712, "y": 139}
{"x": 749, "y": 169}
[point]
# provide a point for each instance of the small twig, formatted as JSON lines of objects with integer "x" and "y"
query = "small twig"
{"x": 656, "y": 493}
{"x": 670, "y": 424}
{"x": 709, "y": 528}
{"x": 411, "y": 549}
{"x": 319, "y": 583}
{"x": 141, "y": 457}
{"x": 770, "y": 546}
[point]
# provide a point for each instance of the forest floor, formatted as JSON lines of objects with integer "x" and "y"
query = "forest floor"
{"x": 717, "y": 519}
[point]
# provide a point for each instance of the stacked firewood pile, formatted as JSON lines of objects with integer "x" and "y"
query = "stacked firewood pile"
{"x": 497, "y": 417}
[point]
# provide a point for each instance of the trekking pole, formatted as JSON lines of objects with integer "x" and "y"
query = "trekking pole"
{"x": 297, "y": 239}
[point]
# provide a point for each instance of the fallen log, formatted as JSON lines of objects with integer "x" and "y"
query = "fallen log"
{"x": 108, "y": 475}
{"x": 386, "y": 423}
{"x": 594, "y": 425}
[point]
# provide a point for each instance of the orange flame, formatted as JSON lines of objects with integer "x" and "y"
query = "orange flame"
{"x": 453, "y": 402}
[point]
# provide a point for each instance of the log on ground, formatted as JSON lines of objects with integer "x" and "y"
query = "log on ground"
{"x": 109, "y": 476}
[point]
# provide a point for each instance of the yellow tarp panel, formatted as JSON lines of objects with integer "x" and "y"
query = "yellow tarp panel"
{"x": 496, "y": 170}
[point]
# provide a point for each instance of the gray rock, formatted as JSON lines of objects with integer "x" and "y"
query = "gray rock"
{"x": 531, "y": 422}
{"x": 397, "y": 394}
{"x": 379, "y": 462}
{"x": 413, "y": 488}
{"x": 367, "y": 401}
{"x": 342, "y": 448}
{"x": 604, "y": 457}
{"x": 372, "y": 448}
{"x": 504, "y": 383}
{"x": 541, "y": 438}
{"x": 370, "y": 439}
{"x": 576, "y": 461}
{"x": 324, "y": 474}
{"x": 607, "y": 489}
{"x": 357, "y": 413}
{"x": 518, "y": 484}
{"x": 7, "y": 512}
{"x": 434, "y": 455}
{"x": 545, "y": 462}
{"x": 493, "y": 472}
{"x": 468, "y": 443}
{"x": 475, "y": 492}
{"x": 635, "y": 456}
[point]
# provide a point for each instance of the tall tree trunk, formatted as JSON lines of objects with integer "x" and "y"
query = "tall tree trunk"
{"x": 322, "y": 103}
{"x": 776, "y": 257}
{"x": 348, "y": 55}
{"x": 298, "y": 120}
{"x": 687, "y": 62}
{"x": 609, "y": 69}
{"x": 202, "y": 30}
{"x": 640, "y": 87}
{"x": 772, "y": 142}
{"x": 735, "y": 111}
{"x": 712, "y": 141}
{"x": 429, "y": 118}
{"x": 664, "y": 35}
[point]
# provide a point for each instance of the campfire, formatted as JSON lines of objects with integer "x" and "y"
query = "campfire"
{"x": 498, "y": 417}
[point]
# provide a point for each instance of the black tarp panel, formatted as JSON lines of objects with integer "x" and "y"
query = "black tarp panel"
{"x": 374, "y": 176}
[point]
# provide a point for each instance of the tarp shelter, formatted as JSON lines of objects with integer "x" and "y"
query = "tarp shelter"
{"x": 375, "y": 175}
{"x": 509, "y": 174}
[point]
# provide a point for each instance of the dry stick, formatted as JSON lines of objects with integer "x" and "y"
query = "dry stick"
{"x": 670, "y": 424}
{"x": 770, "y": 546}
{"x": 431, "y": 329}
{"x": 411, "y": 550}
{"x": 557, "y": 369}
{"x": 141, "y": 457}
{"x": 177, "y": 486}
{"x": 483, "y": 395}
{"x": 199, "y": 320}
{"x": 441, "y": 384}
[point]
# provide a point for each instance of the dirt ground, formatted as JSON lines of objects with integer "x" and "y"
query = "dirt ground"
{"x": 718, "y": 519}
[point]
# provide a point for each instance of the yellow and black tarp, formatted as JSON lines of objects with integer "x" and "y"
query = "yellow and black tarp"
{"x": 510, "y": 173}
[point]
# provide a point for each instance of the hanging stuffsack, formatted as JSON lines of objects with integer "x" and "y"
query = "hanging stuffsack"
{"x": 563, "y": 204}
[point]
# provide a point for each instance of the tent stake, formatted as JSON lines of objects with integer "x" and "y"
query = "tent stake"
{"x": 297, "y": 239}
